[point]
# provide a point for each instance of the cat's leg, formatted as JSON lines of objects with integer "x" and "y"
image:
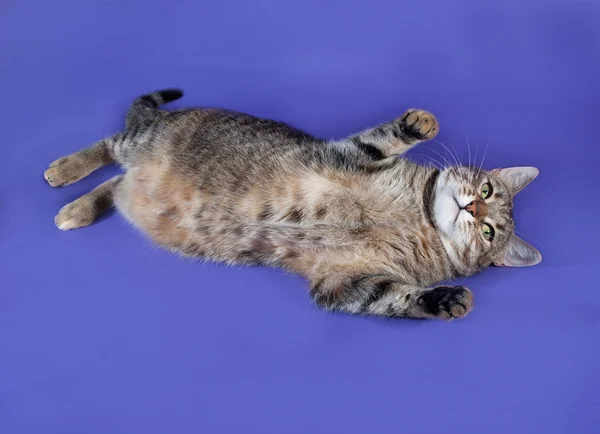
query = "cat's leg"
{"x": 85, "y": 210}
{"x": 394, "y": 138}
{"x": 385, "y": 295}
{"x": 74, "y": 167}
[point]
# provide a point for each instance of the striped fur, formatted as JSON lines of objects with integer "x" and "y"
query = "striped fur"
{"x": 368, "y": 230}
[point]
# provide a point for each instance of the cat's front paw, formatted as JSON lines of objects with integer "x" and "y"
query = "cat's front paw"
{"x": 419, "y": 125}
{"x": 446, "y": 302}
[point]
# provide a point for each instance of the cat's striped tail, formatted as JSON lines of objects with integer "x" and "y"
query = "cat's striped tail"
{"x": 145, "y": 108}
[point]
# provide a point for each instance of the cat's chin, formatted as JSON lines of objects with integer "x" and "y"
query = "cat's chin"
{"x": 445, "y": 210}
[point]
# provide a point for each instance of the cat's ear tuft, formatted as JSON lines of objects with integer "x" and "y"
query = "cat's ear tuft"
{"x": 518, "y": 254}
{"x": 517, "y": 178}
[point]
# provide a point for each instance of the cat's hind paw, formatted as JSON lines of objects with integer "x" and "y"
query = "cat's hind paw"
{"x": 61, "y": 172}
{"x": 79, "y": 213}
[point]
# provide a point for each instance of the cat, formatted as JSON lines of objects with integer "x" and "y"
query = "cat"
{"x": 373, "y": 234}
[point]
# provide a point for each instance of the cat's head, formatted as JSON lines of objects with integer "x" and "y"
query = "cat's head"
{"x": 473, "y": 212}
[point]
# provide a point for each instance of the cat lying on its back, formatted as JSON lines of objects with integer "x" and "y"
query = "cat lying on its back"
{"x": 372, "y": 233}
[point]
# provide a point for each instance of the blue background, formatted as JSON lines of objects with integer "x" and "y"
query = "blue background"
{"x": 101, "y": 333}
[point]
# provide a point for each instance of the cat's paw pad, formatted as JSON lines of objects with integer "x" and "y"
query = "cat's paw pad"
{"x": 447, "y": 302}
{"x": 77, "y": 214}
{"x": 419, "y": 124}
{"x": 63, "y": 171}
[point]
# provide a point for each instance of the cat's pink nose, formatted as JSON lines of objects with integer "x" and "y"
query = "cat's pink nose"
{"x": 472, "y": 208}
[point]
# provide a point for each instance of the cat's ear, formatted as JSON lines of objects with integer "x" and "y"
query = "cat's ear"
{"x": 518, "y": 254}
{"x": 517, "y": 178}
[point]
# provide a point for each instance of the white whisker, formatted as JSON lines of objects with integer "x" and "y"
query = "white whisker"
{"x": 437, "y": 164}
{"x": 468, "y": 143}
{"x": 455, "y": 151}
{"x": 484, "y": 154}
{"x": 450, "y": 152}
{"x": 448, "y": 163}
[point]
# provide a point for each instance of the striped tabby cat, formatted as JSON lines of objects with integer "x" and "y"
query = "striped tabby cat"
{"x": 372, "y": 233}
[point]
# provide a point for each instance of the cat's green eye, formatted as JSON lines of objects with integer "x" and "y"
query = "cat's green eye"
{"x": 487, "y": 231}
{"x": 486, "y": 190}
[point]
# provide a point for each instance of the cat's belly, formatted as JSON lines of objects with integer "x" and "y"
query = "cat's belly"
{"x": 176, "y": 213}
{"x": 160, "y": 203}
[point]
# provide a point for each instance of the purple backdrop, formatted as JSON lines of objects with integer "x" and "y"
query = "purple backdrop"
{"x": 101, "y": 333}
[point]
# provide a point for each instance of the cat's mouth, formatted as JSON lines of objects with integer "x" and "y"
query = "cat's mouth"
{"x": 458, "y": 209}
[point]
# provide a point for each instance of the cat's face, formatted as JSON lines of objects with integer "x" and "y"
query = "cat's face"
{"x": 472, "y": 211}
